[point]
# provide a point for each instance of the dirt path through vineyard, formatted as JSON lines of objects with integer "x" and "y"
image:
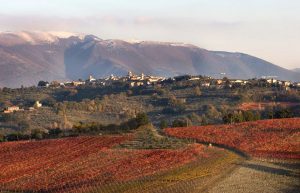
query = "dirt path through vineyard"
{"x": 255, "y": 176}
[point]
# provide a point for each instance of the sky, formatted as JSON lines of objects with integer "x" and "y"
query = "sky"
{"x": 269, "y": 29}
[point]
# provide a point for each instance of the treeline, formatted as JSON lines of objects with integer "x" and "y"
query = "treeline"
{"x": 241, "y": 116}
{"x": 230, "y": 117}
{"x": 79, "y": 129}
{"x": 244, "y": 116}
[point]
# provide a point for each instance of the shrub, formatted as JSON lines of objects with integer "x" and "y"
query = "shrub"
{"x": 2, "y": 138}
{"x": 37, "y": 134}
{"x": 183, "y": 122}
{"x": 55, "y": 132}
{"x": 283, "y": 113}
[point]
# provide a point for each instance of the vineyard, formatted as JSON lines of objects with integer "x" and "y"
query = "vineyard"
{"x": 81, "y": 163}
{"x": 143, "y": 160}
{"x": 278, "y": 138}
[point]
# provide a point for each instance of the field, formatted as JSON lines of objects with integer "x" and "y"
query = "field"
{"x": 80, "y": 163}
{"x": 278, "y": 138}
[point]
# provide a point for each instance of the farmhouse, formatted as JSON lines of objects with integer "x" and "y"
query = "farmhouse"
{"x": 12, "y": 109}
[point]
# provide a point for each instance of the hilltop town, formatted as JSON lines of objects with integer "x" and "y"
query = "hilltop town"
{"x": 134, "y": 80}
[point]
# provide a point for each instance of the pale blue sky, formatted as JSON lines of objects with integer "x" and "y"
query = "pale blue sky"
{"x": 269, "y": 29}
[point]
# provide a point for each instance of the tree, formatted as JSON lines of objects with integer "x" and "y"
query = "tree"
{"x": 283, "y": 113}
{"x": 228, "y": 118}
{"x": 182, "y": 122}
{"x": 240, "y": 116}
{"x": 43, "y": 83}
{"x": 163, "y": 124}
{"x": 37, "y": 134}
{"x": 142, "y": 119}
{"x": 55, "y": 132}
{"x": 204, "y": 120}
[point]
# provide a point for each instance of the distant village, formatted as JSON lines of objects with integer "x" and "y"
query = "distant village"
{"x": 133, "y": 80}
{"x": 142, "y": 80}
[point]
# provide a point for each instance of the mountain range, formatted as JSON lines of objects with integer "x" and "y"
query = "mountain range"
{"x": 27, "y": 57}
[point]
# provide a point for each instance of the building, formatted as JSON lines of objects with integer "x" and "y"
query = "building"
{"x": 272, "y": 81}
{"x": 152, "y": 79}
{"x": 143, "y": 77}
{"x": 205, "y": 84}
{"x": 91, "y": 79}
{"x": 296, "y": 84}
{"x": 239, "y": 82}
{"x": 136, "y": 83}
{"x": 37, "y": 104}
{"x": 286, "y": 83}
{"x": 113, "y": 77}
{"x": 130, "y": 74}
{"x": 43, "y": 84}
{"x": 219, "y": 82}
{"x": 77, "y": 83}
{"x": 11, "y": 109}
{"x": 194, "y": 78}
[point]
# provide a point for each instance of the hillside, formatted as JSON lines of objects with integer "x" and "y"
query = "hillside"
{"x": 27, "y": 57}
{"x": 296, "y": 70}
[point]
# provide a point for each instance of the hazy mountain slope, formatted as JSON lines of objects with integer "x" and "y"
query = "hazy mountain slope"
{"x": 105, "y": 57}
{"x": 27, "y": 57}
{"x": 25, "y": 64}
{"x": 296, "y": 70}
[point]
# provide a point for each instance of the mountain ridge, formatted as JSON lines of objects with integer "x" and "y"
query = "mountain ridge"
{"x": 27, "y": 58}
